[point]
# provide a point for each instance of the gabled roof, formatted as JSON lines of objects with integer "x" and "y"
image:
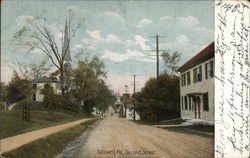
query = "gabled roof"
{"x": 204, "y": 55}
{"x": 43, "y": 80}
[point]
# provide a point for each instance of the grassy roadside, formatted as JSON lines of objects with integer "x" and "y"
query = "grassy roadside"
{"x": 167, "y": 122}
{"x": 11, "y": 123}
{"x": 51, "y": 145}
{"x": 200, "y": 130}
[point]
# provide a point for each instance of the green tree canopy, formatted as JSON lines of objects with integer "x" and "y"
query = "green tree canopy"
{"x": 162, "y": 93}
{"x": 18, "y": 89}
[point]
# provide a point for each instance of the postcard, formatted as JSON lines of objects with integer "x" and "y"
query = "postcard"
{"x": 124, "y": 79}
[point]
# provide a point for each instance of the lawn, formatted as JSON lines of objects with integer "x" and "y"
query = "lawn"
{"x": 167, "y": 122}
{"x": 201, "y": 130}
{"x": 11, "y": 123}
{"x": 51, "y": 145}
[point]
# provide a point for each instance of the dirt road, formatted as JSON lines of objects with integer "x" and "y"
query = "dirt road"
{"x": 115, "y": 137}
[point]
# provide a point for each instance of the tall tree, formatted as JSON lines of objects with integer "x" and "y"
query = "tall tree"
{"x": 31, "y": 70}
{"x": 165, "y": 97}
{"x": 18, "y": 89}
{"x": 38, "y": 34}
{"x": 170, "y": 62}
{"x": 86, "y": 77}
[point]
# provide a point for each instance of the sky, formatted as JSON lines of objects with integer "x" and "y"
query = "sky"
{"x": 117, "y": 31}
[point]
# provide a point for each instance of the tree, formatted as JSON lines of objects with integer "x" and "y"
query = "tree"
{"x": 38, "y": 34}
{"x": 86, "y": 78}
{"x": 47, "y": 90}
{"x": 32, "y": 70}
{"x": 18, "y": 89}
{"x": 165, "y": 97}
{"x": 105, "y": 98}
{"x": 170, "y": 62}
{"x": 3, "y": 94}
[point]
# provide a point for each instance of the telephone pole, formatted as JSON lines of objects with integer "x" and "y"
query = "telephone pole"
{"x": 157, "y": 53}
{"x": 157, "y": 71}
{"x": 134, "y": 96}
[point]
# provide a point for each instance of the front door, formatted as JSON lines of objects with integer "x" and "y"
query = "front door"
{"x": 198, "y": 102}
{"x": 197, "y": 107}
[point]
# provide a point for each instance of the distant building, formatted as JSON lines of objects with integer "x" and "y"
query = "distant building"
{"x": 39, "y": 83}
{"x": 130, "y": 113}
{"x": 197, "y": 86}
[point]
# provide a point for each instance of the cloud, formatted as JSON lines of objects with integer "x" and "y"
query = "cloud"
{"x": 96, "y": 34}
{"x": 143, "y": 23}
{"x": 190, "y": 21}
{"x": 116, "y": 57}
{"x": 72, "y": 9}
{"x": 113, "y": 15}
{"x": 146, "y": 60}
{"x": 78, "y": 46}
{"x": 113, "y": 38}
{"x": 36, "y": 50}
{"x": 97, "y": 40}
{"x": 183, "y": 46}
{"x": 182, "y": 39}
{"x": 139, "y": 40}
{"x": 130, "y": 54}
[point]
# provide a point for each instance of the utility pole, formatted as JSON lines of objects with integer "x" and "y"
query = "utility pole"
{"x": 134, "y": 96}
{"x": 157, "y": 70}
{"x": 157, "y": 53}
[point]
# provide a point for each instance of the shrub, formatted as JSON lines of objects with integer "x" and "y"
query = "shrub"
{"x": 33, "y": 105}
{"x": 57, "y": 101}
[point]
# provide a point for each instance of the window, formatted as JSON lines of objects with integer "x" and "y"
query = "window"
{"x": 34, "y": 86}
{"x": 189, "y": 102}
{"x": 209, "y": 68}
{"x": 182, "y": 103}
{"x": 183, "y": 79}
{"x": 186, "y": 104}
{"x": 205, "y": 102}
{"x": 188, "y": 78}
{"x": 197, "y": 74}
{"x": 34, "y": 97}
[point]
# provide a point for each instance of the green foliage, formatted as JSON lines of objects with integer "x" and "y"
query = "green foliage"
{"x": 163, "y": 94}
{"x": 88, "y": 86}
{"x": 57, "y": 101}
{"x": 47, "y": 90}
{"x": 18, "y": 89}
{"x": 33, "y": 105}
{"x": 170, "y": 62}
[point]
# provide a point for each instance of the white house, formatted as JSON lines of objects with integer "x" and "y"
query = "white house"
{"x": 131, "y": 113}
{"x": 197, "y": 86}
{"x": 39, "y": 83}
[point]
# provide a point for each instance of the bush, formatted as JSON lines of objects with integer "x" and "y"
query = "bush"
{"x": 57, "y": 101}
{"x": 33, "y": 105}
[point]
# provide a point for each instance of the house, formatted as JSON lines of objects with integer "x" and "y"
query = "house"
{"x": 131, "y": 113}
{"x": 197, "y": 86}
{"x": 39, "y": 83}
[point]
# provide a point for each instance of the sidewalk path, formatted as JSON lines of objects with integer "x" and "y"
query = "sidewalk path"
{"x": 14, "y": 142}
{"x": 180, "y": 125}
